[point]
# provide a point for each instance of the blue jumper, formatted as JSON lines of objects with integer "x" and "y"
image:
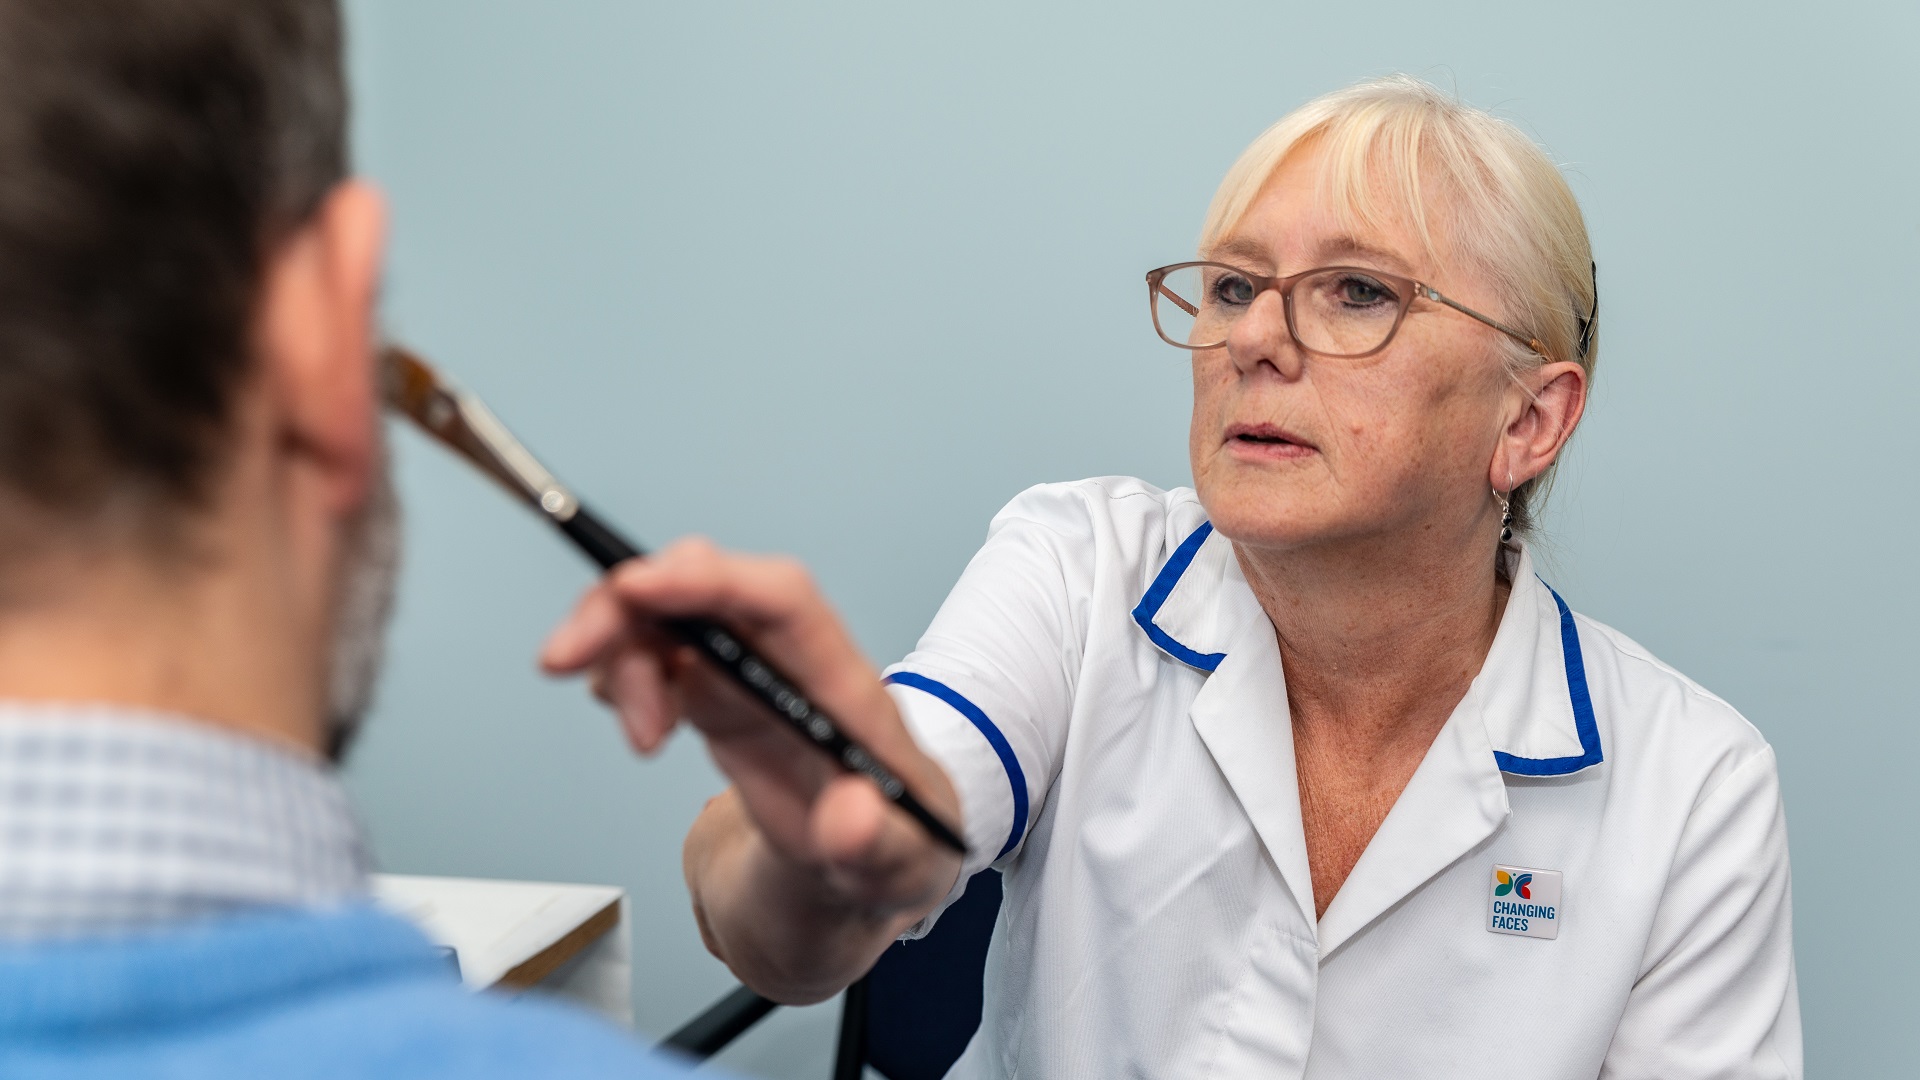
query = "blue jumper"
{"x": 290, "y": 993}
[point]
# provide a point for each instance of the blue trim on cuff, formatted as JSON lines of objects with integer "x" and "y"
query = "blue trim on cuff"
{"x": 1010, "y": 761}
{"x": 1583, "y": 721}
{"x": 1157, "y": 594}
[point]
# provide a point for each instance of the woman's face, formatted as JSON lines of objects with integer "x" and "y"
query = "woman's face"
{"x": 1292, "y": 449}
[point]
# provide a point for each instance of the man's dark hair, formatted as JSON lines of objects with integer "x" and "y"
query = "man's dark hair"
{"x": 152, "y": 152}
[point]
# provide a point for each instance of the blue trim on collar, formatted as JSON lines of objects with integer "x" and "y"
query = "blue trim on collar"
{"x": 1016, "y": 776}
{"x": 1583, "y": 721}
{"x": 1157, "y": 593}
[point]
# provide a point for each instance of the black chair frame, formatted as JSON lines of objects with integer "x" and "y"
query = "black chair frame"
{"x": 910, "y": 1017}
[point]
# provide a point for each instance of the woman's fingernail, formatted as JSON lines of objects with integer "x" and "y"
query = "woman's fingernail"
{"x": 559, "y": 644}
{"x": 633, "y": 571}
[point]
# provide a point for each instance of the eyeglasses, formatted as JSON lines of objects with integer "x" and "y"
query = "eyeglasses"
{"x": 1342, "y": 312}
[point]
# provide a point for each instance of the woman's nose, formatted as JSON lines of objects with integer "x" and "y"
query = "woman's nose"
{"x": 1260, "y": 336}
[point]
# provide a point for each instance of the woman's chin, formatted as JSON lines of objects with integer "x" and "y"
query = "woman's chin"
{"x": 1269, "y": 534}
{"x": 1269, "y": 516}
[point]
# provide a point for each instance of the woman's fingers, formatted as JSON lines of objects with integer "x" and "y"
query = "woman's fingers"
{"x": 629, "y": 667}
{"x": 810, "y": 812}
{"x": 871, "y": 850}
{"x": 775, "y": 605}
{"x": 634, "y": 682}
{"x": 595, "y": 624}
{"x": 693, "y": 577}
{"x": 773, "y": 600}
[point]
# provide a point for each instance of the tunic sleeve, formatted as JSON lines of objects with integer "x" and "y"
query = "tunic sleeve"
{"x": 989, "y": 689}
{"x": 1717, "y": 996}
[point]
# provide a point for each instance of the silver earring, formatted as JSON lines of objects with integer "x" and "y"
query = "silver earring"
{"x": 1506, "y": 517}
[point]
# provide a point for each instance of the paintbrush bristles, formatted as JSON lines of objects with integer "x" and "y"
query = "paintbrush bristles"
{"x": 409, "y": 382}
{"x": 414, "y": 389}
{"x": 460, "y": 421}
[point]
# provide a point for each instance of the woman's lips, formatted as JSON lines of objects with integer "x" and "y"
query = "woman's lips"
{"x": 1265, "y": 442}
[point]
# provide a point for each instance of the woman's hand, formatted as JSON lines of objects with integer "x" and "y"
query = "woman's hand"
{"x": 801, "y": 873}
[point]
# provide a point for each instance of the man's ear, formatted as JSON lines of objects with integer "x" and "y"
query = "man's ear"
{"x": 1544, "y": 414}
{"x": 314, "y": 336}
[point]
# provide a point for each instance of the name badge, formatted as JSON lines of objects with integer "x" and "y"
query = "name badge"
{"x": 1525, "y": 902}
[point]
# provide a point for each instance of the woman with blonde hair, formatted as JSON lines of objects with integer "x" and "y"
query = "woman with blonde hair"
{"x": 1301, "y": 771}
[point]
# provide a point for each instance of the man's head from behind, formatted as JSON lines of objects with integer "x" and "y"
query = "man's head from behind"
{"x": 191, "y": 471}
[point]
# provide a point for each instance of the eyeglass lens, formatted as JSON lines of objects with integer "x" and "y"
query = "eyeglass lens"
{"x": 1336, "y": 312}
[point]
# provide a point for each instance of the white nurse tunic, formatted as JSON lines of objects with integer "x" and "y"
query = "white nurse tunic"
{"x": 1586, "y": 876}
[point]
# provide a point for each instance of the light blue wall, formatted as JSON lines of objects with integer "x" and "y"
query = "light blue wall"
{"x": 839, "y": 279}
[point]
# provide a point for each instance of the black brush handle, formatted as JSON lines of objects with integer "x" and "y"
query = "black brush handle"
{"x": 600, "y": 542}
{"x": 760, "y": 678}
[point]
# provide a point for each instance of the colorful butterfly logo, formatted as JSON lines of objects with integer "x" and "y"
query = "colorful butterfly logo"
{"x": 1510, "y": 883}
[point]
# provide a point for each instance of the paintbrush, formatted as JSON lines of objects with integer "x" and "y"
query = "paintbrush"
{"x": 459, "y": 420}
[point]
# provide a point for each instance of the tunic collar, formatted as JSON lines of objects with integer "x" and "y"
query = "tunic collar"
{"x": 1531, "y": 693}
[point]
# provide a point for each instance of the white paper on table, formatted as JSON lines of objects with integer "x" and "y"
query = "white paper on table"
{"x": 495, "y": 926}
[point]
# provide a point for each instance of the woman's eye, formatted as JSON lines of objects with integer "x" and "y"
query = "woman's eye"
{"x": 1233, "y": 289}
{"x": 1363, "y": 292}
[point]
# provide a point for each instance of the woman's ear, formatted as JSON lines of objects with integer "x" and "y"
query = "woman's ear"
{"x": 1545, "y": 406}
{"x": 315, "y": 339}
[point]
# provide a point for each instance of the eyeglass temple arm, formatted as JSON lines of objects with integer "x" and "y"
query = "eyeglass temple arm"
{"x": 1161, "y": 288}
{"x": 1586, "y": 324}
{"x": 1435, "y": 295}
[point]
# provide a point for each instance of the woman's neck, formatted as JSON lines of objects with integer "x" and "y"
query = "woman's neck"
{"x": 1378, "y": 641}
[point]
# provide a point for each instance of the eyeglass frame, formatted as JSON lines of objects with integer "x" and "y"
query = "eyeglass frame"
{"x": 1410, "y": 289}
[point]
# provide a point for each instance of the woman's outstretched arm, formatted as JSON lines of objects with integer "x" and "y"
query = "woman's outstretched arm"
{"x": 801, "y": 874}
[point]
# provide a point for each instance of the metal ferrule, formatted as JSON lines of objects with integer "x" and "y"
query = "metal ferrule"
{"x": 537, "y": 484}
